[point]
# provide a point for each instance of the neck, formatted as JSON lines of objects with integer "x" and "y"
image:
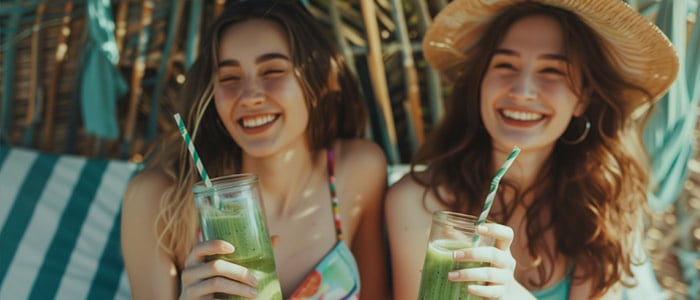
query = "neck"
{"x": 282, "y": 175}
{"x": 523, "y": 172}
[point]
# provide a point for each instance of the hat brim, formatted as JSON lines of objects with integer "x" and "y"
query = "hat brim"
{"x": 640, "y": 50}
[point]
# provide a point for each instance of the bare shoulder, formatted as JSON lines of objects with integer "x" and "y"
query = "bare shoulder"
{"x": 361, "y": 173}
{"x": 359, "y": 151}
{"x": 409, "y": 202}
{"x": 143, "y": 193}
{"x": 150, "y": 179}
{"x": 360, "y": 161}
{"x": 406, "y": 192}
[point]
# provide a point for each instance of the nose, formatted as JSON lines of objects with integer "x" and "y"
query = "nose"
{"x": 252, "y": 93}
{"x": 524, "y": 88}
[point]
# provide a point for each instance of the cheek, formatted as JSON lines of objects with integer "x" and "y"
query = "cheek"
{"x": 226, "y": 96}
{"x": 493, "y": 85}
{"x": 302, "y": 117}
{"x": 490, "y": 89}
{"x": 223, "y": 103}
{"x": 571, "y": 104}
{"x": 558, "y": 88}
{"x": 284, "y": 88}
{"x": 484, "y": 105}
{"x": 226, "y": 93}
{"x": 566, "y": 98}
{"x": 305, "y": 115}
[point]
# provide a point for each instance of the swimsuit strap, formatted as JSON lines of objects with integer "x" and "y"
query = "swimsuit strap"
{"x": 334, "y": 196}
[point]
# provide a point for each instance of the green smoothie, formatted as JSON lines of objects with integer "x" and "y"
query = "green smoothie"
{"x": 245, "y": 230}
{"x": 438, "y": 262}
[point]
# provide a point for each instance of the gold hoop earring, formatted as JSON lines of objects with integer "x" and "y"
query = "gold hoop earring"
{"x": 586, "y": 129}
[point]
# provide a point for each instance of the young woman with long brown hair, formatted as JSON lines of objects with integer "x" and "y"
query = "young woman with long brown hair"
{"x": 266, "y": 95}
{"x": 569, "y": 82}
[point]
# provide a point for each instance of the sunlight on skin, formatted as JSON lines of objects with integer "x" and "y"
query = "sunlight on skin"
{"x": 356, "y": 212}
{"x": 172, "y": 271}
{"x": 307, "y": 193}
{"x": 288, "y": 156}
{"x": 308, "y": 211}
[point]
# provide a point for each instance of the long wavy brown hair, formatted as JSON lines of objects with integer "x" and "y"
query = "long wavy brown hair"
{"x": 593, "y": 192}
{"x": 331, "y": 91}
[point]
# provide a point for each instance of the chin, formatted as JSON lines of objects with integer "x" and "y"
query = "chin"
{"x": 524, "y": 143}
{"x": 258, "y": 149}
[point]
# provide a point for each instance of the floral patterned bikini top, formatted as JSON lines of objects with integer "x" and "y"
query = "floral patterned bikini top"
{"x": 336, "y": 276}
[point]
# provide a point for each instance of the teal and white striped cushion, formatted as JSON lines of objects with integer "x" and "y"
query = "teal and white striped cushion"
{"x": 60, "y": 217}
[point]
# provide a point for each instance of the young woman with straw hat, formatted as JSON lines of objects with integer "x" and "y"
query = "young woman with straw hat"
{"x": 569, "y": 82}
{"x": 266, "y": 95}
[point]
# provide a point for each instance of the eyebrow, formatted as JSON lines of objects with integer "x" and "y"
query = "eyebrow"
{"x": 260, "y": 59}
{"x": 509, "y": 52}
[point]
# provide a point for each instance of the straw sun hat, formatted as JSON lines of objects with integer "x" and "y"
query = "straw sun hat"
{"x": 643, "y": 53}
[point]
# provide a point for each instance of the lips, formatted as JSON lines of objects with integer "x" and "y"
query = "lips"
{"x": 257, "y": 121}
{"x": 519, "y": 115}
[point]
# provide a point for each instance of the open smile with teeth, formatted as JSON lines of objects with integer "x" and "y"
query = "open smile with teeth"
{"x": 257, "y": 121}
{"x": 521, "y": 115}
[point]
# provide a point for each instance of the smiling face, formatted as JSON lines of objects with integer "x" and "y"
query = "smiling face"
{"x": 257, "y": 96}
{"x": 527, "y": 97}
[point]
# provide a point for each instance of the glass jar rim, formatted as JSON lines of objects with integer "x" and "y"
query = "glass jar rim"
{"x": 455, "y": 219}
{"x": 225, "y": 182}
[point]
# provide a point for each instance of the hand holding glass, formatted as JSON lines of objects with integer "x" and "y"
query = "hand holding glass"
{"x": 231, "y": 210}
{"x": 449, "y": 232}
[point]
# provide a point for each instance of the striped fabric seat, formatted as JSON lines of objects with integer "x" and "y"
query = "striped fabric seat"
{"x": 59, "y": 218}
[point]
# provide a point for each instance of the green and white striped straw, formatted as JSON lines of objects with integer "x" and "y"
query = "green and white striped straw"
{"x": 494, "y": 187}
{"x": 192, "y": 150}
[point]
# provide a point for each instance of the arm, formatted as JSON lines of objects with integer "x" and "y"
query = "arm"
{"x": 408, "y": 225}
{"x": 369, "y": 173}
{"x": 153, "y": 273}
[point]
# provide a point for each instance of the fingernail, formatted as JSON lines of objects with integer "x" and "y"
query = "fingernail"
{"x": 253, "y": 280}
{"x": 482, "y": 228}
{"x": 228, "y": 246}
{"x": 453, "y": 275}
{"x": 254, "y": 292}
{"x": 458, "y": 254}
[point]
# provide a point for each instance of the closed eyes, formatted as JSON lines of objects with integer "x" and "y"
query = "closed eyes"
{"x": 504, "y": 66}
{"x": 272, "y": 72}
{"x": 545, "y": 71}
{"x": 266, "y": 74}
{"x": 228, "y": 79}
{"x": 552, "y": 71}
